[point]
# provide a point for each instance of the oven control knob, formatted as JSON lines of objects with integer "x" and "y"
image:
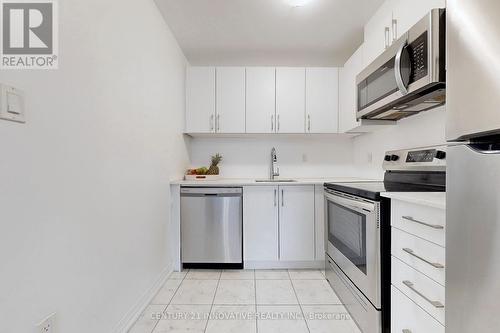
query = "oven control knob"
{"x": 394, "y": 158}
{"x": 440, "y": 155}
{"x": 387, "y": 158}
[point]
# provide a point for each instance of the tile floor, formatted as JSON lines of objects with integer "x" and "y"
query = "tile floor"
{"x": 245, "y": 301}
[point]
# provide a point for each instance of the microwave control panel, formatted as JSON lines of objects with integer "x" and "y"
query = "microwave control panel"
{"x": 418, "y": 54}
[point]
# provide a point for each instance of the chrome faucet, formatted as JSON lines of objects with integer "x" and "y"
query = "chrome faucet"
{"x": 275, "y": 170}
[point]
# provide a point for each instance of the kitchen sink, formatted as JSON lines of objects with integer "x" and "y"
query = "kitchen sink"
{"x": 275, "y": 180}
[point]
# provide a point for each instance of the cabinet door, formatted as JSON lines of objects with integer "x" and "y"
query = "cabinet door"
{"x": 406, "y": 316}
{"x": 200, "y": 100}
{"x": 260, "y": 223}
{"x": 322, "y": 100}
{"x": 290, "y": 100}
{"x": 347, "y": 91}
{"x": 319, "y": 221}
{"x": 296, "y": 223}
{"x": 260, "y": 99}
{"x": 378, "y": 33}
{"x": 408, "y": 12}
{"x": 230, "y": 92}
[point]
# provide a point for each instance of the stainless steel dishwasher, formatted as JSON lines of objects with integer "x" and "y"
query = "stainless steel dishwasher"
{"x": 212, "y": 227}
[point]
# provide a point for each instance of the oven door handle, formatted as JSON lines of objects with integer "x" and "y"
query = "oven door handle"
{"x": 359, "y": 206}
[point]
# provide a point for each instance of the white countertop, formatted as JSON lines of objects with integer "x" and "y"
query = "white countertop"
{"x": 251, "y": 181}
{"x": 432, "y": 199}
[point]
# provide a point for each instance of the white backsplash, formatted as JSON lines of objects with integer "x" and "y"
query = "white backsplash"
{"x": 303, "y": 157}
{"x": 425, "y": 129}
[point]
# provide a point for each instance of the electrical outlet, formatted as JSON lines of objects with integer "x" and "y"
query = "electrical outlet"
{"x": 47, "y": 325}
{"x": 304, "y": 158}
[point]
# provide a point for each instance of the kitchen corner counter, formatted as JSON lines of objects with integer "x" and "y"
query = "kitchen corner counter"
{"x": 432, "y": 199}
{"x": 252, "y": 182}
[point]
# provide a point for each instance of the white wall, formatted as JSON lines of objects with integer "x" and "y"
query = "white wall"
{"x": 84, "y": 184}
{"x": 250, "y": 157}
{"x": 425, "y": 129}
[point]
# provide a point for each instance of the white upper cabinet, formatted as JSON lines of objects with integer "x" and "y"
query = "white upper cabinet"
{"x": 322, "y": 100}
{"x": 391, "y": 21}
{"x": 347, "y": 91}
{"x": 296, "y": 223}
{"x": 260, "y": 100}
{"x": 378, "y": 33}
{"x": 408, "y": 12}
{"x": 200, "y": 100}
{"x": 290, "y": 100}
{"x": 230, "y": 100}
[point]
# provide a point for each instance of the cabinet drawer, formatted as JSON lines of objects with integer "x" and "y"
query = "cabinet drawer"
{"x": 422, "y": 221}
{"x": 427, "y": 293}
{"x": 424, "y": 256}
{"x": 408, "y": 317}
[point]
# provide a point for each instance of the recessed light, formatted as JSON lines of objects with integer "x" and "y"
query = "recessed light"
{"x": 297, "y": 3}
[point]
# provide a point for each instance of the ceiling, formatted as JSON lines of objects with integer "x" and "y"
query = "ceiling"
{"x": 267, "y": 32}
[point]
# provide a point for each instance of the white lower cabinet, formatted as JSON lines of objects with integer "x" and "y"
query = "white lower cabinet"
{"x": 422, "y": 221}
{"x": 427, "y": 293}
{"x": 260, "y": 223}
{"x": 426, "y": 257}
{"x": 408, "y": 317}
{"x": 296, "y": 223}
{"x": 417, "y": 268}
{"x": 278, "y": 224}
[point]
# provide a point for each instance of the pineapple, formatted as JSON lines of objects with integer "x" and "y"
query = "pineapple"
{"x": 214, "y": 169}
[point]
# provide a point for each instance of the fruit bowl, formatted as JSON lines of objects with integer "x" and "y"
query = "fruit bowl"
{"x": 205, "y": 173}
{"x": 201, "y": 177}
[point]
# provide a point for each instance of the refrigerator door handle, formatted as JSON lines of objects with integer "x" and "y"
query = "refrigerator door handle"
{"x": 489, "y": 148}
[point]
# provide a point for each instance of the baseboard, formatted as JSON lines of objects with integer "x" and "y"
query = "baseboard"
{"x": 133, "y": 314}
{"x": 315, "y": 264}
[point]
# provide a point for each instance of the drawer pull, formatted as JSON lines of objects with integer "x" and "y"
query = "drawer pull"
{"x": 434, "y": 226}
{"x": 436, "y": 304}
{"x": 433, "y": 264}
{"x": 406, "y": 331}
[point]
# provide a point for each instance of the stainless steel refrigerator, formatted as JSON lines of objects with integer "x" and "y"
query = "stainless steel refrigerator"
{"x": 473, "y": 166}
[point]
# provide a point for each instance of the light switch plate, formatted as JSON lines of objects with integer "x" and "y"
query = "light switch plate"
{"x": 47, "y": 325}
{"x": 11, "y": 104}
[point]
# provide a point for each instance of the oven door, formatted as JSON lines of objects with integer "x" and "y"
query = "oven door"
{"x": 354, "y": 240}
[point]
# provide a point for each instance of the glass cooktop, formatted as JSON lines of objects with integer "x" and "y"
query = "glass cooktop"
{"x": 372, "y": 190}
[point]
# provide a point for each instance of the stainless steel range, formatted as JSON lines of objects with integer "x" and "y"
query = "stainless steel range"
{"x": 358, "y": 231}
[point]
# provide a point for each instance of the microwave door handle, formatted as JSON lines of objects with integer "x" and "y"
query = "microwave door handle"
{"x": 397, "y": 69}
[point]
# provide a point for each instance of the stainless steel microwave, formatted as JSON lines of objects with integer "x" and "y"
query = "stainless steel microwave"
{"x": 409, "y": 77}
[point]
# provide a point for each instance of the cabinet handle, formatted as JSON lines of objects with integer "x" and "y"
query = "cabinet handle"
{"x": 406, "y": 331}
{"x": 275, "y": 193}
{"x": 411, "y": 286}
{"x": 282, "y": 198}
{"x": 278, "y": 123}
{"x": 272, "y": 123}
{"x": 433, "y": 226}
{"x": 387, "y": 37}
{"x": 211, "y": 123}
{"x": 309, "y": 123}
{"x": 394, "y": 29}
{"x": 218, "y": 122}
{"x": 433, "y": 264}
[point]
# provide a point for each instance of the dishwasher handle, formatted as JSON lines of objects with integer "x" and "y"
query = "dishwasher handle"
{"x": 211, "y": 191}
